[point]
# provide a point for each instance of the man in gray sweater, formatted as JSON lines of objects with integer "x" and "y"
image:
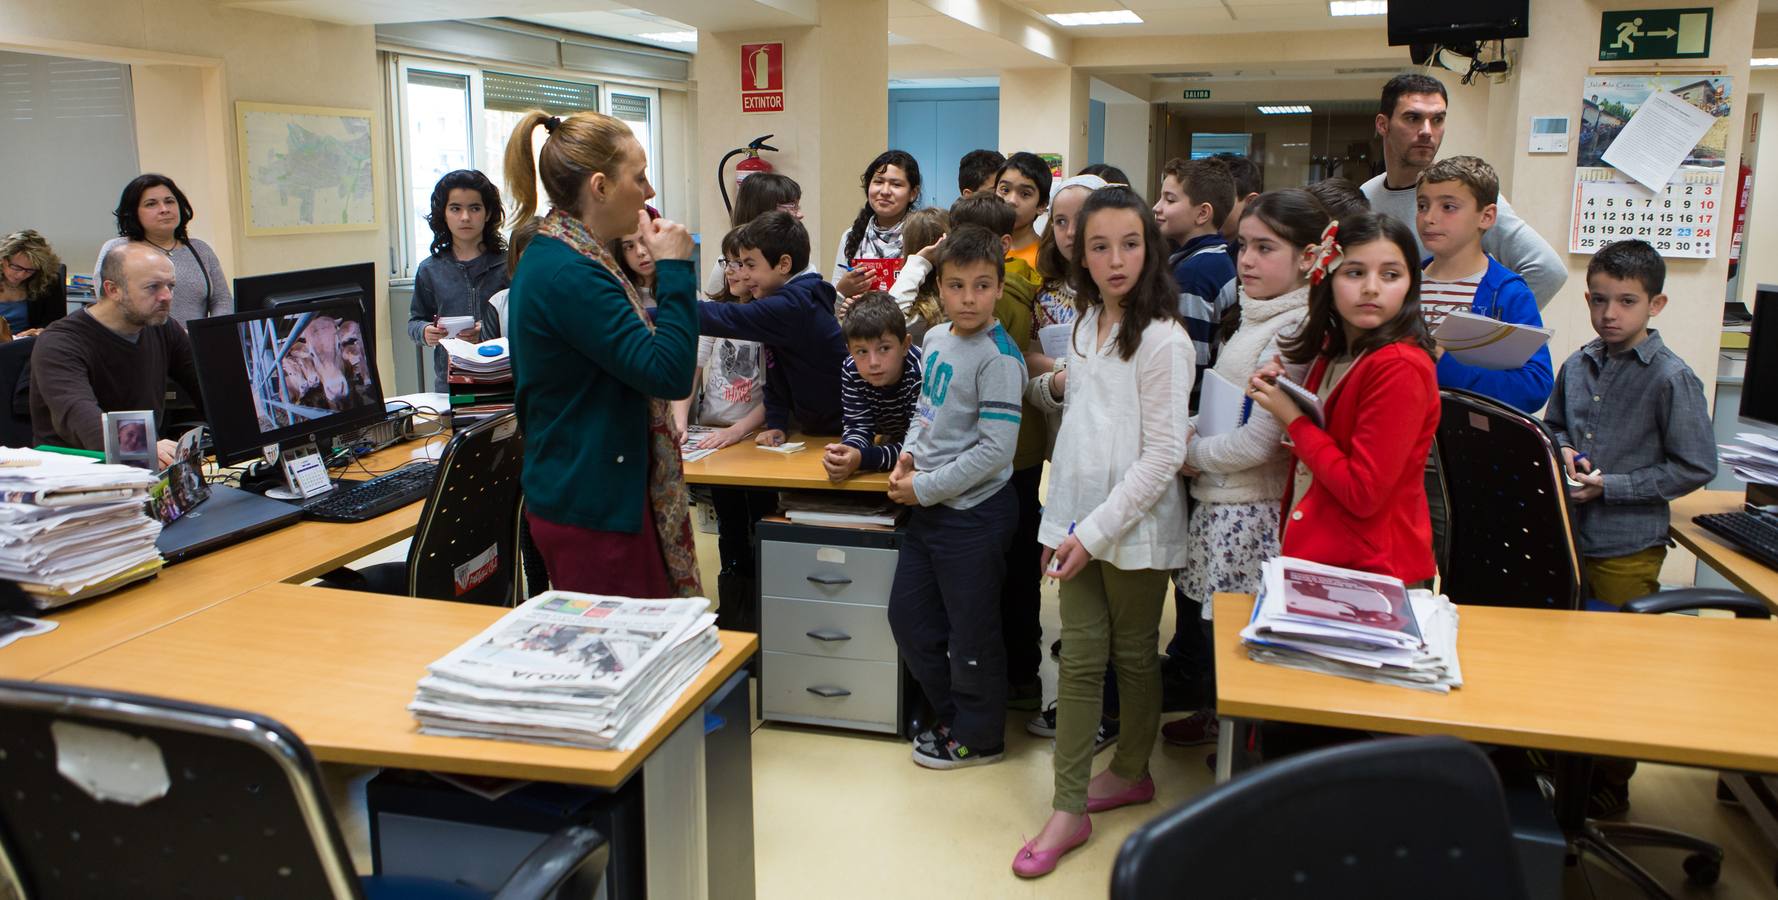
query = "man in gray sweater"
{"x": 954, "y": 470}
{"x": 1411, "y": 121}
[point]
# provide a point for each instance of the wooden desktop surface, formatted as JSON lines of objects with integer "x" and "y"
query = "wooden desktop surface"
{"x": 1750, "y": 575}
{"x": 294, "y": 553}
{"x": 1676, "y": 689}
{"x": 745, "y": 465}
{"x": 340, "y": 668}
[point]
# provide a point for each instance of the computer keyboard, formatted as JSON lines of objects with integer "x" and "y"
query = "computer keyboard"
{"x": 1756, "y": 536}
{"x": 357, "y": 501}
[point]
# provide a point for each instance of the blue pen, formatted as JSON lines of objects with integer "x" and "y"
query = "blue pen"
{"x": 1056, "y": 564}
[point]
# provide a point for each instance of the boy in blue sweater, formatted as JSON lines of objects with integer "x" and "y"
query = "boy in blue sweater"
{"x": 1196, "y": 196}
{"x": 793, "y": 318}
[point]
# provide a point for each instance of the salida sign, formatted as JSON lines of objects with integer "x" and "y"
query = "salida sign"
{"x": 762, "y": 78}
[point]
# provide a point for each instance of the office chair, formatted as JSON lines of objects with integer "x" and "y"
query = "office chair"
{"x": 110, "y": 794}
{"x": 1512, "y": 542}
{"x": 467, "y": 545}
{"x": 1390, "y": 819}
{"x": 15, "y": 392}
{"x": 50, "y": 305}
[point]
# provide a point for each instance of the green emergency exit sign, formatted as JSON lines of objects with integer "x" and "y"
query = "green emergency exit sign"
{"x": 1199, "y": 94}
{"x": 1655, "y": 34}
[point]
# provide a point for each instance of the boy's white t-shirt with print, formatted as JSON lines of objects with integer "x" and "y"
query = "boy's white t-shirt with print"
{"x": 734, "y": 380}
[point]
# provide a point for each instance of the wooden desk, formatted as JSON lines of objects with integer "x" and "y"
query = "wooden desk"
{"x": 1743, "y": 571}
{"x": 745, "y": 465}
{"x": 340, "y": 667}
{"x": 1675, "y": 689}
{"x": 294, "y": 553}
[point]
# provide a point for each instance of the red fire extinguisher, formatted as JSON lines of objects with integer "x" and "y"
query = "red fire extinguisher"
{"x": 752, "y": 165}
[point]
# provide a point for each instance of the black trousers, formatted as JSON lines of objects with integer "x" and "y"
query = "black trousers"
{"x": 945, "y": 612}
{"x": 737, "y": 581}
{"x": 1021, "y": 596}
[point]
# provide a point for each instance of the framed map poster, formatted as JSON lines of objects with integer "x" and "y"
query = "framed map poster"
{"x": 305, "y": 169}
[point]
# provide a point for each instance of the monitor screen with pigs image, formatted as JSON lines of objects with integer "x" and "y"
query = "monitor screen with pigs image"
{"x": 286, "y": 374}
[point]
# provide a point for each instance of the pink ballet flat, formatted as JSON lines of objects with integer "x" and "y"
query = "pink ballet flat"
{"x": 1031, "y": 862}
{"x": 1140, "y": 792}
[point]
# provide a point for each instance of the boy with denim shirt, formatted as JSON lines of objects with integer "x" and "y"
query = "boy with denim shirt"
{"x": 1633, "y": 425}
{"x": 954, "y": 467}
{"x": 1196, "y": 196}
{"x": 879, "y": 384}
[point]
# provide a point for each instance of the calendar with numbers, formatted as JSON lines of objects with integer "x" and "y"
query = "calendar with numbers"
{"x": 1683, "y": 220}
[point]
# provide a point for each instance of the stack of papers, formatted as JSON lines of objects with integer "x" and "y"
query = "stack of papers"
{"x": 580, "y": 670}
{"x": 489, "y": 362}
{"x": 1356, "y": 624}
{"x": 689, "y": 451}
{"x": 71, "y": 528}
{"x": 825, "y": 508}
{"x": 1489, "y": 343}
{"x": 1755, "y": 458}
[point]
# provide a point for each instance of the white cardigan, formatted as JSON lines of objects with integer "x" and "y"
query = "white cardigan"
{"x": 1115, "y": 472}
{"x": 1250, "y": 464}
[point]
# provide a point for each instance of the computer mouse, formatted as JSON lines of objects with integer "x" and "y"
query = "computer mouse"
{"x": 489, "y": 351}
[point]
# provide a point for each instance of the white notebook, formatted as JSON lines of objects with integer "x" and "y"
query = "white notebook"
{"x": 1222, "y": 407}
{"x": 1489, "y": 343}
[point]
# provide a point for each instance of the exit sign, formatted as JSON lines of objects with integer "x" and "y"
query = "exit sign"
{"x": 1655, "y": 33}
{"x": 1203, "y": 94}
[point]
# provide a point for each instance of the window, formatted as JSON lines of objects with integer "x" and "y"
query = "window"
{"x": 437, "y": 138}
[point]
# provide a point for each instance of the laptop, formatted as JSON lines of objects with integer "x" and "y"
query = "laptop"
{"x": 198, "y": 518}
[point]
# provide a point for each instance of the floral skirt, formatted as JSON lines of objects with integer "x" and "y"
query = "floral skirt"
{"x": 1228, "y": 542}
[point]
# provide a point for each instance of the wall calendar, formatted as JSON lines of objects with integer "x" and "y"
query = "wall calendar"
{"x": 1681, "y": 221}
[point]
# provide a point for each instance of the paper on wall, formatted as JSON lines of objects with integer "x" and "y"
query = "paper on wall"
{"x": 1657, "y": 139}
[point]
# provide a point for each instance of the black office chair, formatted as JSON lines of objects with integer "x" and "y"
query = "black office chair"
{"x": 15, "y": 392}
{"x": 109, "y": 794}
{"x": 467, "y": 545}
{"x": 1513, "y": 543}
{"x": 1392, "y": 818}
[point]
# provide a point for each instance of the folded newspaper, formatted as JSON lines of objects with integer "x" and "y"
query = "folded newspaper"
{"x": 72, "y": 528}
{"x": 1356, "y": 624}
{"x": 583, "y": 670}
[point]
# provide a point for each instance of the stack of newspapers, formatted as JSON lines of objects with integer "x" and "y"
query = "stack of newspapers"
{"x": 581, "y": 670}
{"x": 1356, "y": 624}
{"x": 72, "y": 528}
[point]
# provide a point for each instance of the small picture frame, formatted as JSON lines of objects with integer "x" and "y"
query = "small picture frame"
{"x": 130, "y": 439}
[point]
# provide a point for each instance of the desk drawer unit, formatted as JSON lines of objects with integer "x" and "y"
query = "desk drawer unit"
{"x": 828, "y": 630}
{"x": 822, "y": 571}
{"x": 847, "y": 693}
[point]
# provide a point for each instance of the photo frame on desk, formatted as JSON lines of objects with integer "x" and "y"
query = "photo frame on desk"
{"x": 130, "y": 439}
{"x": 306, "y": 169}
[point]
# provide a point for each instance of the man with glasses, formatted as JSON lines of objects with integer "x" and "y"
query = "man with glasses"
{"x": 114, "y": 355}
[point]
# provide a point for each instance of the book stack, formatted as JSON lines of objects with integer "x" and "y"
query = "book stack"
{"x": 72, "y": 528}
{"x": 480, "y": 376}
{"x": 1356, "y": 624}
{"x": 831, "y": 508}
{"x": 580, "y": 670}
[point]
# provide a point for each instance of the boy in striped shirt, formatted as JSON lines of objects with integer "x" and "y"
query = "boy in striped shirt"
{"x": 879, "y": 385}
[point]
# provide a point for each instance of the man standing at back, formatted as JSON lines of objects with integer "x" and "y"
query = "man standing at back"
{"x": 1411, "y": 121}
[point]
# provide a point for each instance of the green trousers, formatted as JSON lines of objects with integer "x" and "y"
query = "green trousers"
{"x": 1107, "y": 613}
{"x": 1620, "y": 579}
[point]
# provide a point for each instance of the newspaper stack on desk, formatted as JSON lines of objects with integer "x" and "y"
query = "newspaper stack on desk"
{"x": 72, "y": 528}
{"x": 581, "y": 670}
{"x": 1356, "y": 624}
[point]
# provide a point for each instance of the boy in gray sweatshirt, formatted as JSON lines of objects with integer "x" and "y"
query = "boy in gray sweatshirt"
{"x": 953, "y": 469}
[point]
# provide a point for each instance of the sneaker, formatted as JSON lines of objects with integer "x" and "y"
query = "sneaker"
{"x": 1044, "y": 725}
{"x": 933, "y": 735}
{"x": 1194, "y": 730}
{"x": 952, "y": 755}
{"x": 1025, "y": 695}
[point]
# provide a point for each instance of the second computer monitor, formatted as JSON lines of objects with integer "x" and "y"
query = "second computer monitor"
{"x": 1759, "y": 389}
{"x": 257, "y": 292}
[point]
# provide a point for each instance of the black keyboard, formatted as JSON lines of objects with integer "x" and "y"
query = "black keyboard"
{"x": 357, "y": 501}
{"x": 1756, "y": 536}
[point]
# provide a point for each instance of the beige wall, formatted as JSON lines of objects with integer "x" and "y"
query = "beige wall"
{"x": 1760, "y": 255}
{"x": 190, "y": 61}
{"x": 1127, "y": 143}
{"x": 1045, "y": 111}
{"x": 836, "y": 117}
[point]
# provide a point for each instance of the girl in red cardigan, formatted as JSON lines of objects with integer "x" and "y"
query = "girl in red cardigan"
{"x": 1358, "y": 494}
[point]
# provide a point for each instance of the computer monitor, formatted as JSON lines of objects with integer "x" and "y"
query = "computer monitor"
{"x": 286, "y": 375}
{"x": 1759, "y": 389}
{"x": 278, "y": 289}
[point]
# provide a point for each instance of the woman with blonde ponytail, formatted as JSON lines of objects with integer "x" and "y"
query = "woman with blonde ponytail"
{"x": 605, "y": 496}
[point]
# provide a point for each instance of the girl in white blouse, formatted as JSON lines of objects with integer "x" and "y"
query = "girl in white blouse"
{"x": 1114, "y": 528}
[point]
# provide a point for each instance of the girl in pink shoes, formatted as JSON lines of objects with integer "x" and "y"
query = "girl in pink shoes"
{"x": 1114, "y": 527}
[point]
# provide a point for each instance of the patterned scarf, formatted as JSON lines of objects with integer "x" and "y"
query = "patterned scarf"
{"x": 666, "y": 478}
{"x": 880, "y": 243}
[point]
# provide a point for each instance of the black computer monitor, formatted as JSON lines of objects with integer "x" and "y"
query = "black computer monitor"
{"x": 1759, "y": 389}
{"x": 285, "y": 375}
{"x": 278, "y": 289}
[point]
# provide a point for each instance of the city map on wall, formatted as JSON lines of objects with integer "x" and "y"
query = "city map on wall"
{"x": 305, "y": 168}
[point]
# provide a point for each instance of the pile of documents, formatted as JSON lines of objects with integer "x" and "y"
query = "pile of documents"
{"x": 72, "y": 528}
{"x": 1755, "y": 458}
{"x": 1356, "y": 624}
{"x": 833, "y": 508}
{"x": 489, "y": 362}
{"x": 581, "y": 670}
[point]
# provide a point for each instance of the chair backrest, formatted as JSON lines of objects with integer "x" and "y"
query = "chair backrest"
{"x": 50, "y": 305}
{"x": 1510, "y": 532}
{"x": 15, "y": 392}
{"x": 1391, "y": 819}
{"x": 106, "y": 794}
{"x": 467, "y": 547}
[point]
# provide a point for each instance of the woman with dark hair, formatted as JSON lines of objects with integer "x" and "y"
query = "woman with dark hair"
{"x": 891, "y": 187}
{"x": 757, "y": 195}
{"x": 154, "y": 211}
{"x": 467, "y": 266}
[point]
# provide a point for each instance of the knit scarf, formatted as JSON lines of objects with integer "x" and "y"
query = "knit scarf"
{"x": 880, "y": 243}
{"x": 666, "y": 478}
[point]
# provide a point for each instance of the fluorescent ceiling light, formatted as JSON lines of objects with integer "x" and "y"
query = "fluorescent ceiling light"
{"x": 1357, "y": 7}
{"x": 671, "y": 37}
{"x": 1764, "y": 62}
{"x": 1283, "y": 110}
{"x": 1105, "y": 17}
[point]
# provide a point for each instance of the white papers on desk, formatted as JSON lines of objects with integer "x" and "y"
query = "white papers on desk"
{"x": 14, "y": 627}
{"x": 1490, "y": 343}
{"x": 689, "y": 451}
{"x": 1222, "y": 407}
{"x": 471, "y": 359}
{"x": 1657, "y": 139}
{"x": 1055, "y": 338}
{"x": 786, "y": 449}
{"x": 1755, "y": 458}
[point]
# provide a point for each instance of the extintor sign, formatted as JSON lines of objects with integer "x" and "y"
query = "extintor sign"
{"x": 762, "y": 78}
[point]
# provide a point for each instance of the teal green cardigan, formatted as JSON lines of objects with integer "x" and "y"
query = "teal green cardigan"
{"x": 584, "y": 367}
